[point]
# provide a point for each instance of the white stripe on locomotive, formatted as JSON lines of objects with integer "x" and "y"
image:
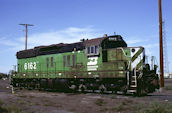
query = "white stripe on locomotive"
{"x": 138, "y": 59}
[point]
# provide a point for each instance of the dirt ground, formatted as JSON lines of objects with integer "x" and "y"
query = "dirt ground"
{"x": 33, "y": 101}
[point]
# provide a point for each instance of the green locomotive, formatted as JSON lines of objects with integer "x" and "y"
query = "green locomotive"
{"x": 104, "y": 64}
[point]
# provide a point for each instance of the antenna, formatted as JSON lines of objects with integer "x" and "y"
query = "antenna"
{"x": 26, "y": 25}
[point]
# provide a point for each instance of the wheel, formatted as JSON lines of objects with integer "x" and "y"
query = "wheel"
{"x": 102, "y": 88}
{"x": 73, "y": 88}
{"x": 82, "y": 88}
{"x": 124, "y": 90}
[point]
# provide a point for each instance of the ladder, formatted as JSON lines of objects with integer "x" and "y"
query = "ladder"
{"x": 132, "y": 82}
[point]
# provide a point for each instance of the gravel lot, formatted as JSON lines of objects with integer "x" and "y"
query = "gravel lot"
{"x": 33, "y": 101}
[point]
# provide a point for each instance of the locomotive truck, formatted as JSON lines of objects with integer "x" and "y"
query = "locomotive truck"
{"x": 103, "y": 64}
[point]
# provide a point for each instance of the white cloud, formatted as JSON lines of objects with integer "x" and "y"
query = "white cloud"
{"x": 68, "y": 35}
{"x": 7, "y": 42}
{"x": 72, "y": 34}
{"x": 151, "y": 45}
{"x": 133, "y": 41}
{"x": 151, "y": 49}
{"x": 5, "y": 69}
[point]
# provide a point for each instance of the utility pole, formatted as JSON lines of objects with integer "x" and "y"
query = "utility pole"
{"x": 161, "y": 46}
{"x": 26, "y": 25}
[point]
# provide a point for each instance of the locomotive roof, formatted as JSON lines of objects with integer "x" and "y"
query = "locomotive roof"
{"x": 60, "y": 48}
{"x": 96, "y": 41}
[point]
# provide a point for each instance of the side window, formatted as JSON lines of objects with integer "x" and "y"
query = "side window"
{"x": 92, "y": 49}
{"x": 96, "y": 49}
{"x": 68, "y": 60}
{"x": 52, "y": 62}
{"x": 64, "y": 61}
{"x": 88, "y": 50}
{"x": 47, "y": 59}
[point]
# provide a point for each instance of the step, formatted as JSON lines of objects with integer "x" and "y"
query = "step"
{"x": 134, "y": 81}
{"x": 133, "y": 76}
{"x": 131, "y": 91}
{"x": 133, "y": 85}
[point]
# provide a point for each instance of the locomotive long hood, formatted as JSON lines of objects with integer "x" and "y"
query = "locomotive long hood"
{"x": 113, "y": 41}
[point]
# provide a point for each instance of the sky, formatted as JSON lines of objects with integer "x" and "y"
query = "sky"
{"x": 67, "y": 21}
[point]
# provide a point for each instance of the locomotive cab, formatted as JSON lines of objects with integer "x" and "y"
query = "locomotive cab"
{"x": 111, "y": 42}
{"x": 129, "y": 62}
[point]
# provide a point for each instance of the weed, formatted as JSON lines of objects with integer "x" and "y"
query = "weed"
{"x": 37, "y": 104}
{"x": 120, "y": 107}
{"x": 100, "y": 102}
{"x": 157, "y": 107}
{"x": 31, "y": 104}
{"x": 46, "y": 104}
{"x": 9, "y": 108}
{"x": 22, "y": 96}
{"x": 104, "y": 109}
{"x": 12, "y": 109}
{"x": 1, "y": 102}
{"x": 2, "y": 110}
{"x": 113, "y": 97}
{"x": 21, "y": 102}
{"x": 31, "y": 96}
{"x": 168, "y": 88}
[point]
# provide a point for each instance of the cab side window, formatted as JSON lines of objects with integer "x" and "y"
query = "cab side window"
{"x": 92, "y": 50}
{"x": 88, "y": 50}
{"x": 96, "y": 49}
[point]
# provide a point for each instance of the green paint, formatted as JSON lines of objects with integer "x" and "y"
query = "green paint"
{"x": 115, "y": 66}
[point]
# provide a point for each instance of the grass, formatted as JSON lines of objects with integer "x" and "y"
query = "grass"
{"x": 168, "y": 88}
{"x": 31, "y": 96}
{"x": 21, "y": 102}
{"x": 135, "y": 107}
{"x": 1, "y": 103}
{"x": 2, "y": 110}
{"x": 126, "y": 104}
{"x": 100, "y": 102}
{"x": 9, "y": 108}
{"x": 104, "y": 109}
{"x": 120, "y": 107}
{"x": 47, "y": 104}
{"x": 22, "y": 96}
{"x": 12, "y": 109}
{"x": 113, "y": 97}
{"x": 155, "y": 107}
